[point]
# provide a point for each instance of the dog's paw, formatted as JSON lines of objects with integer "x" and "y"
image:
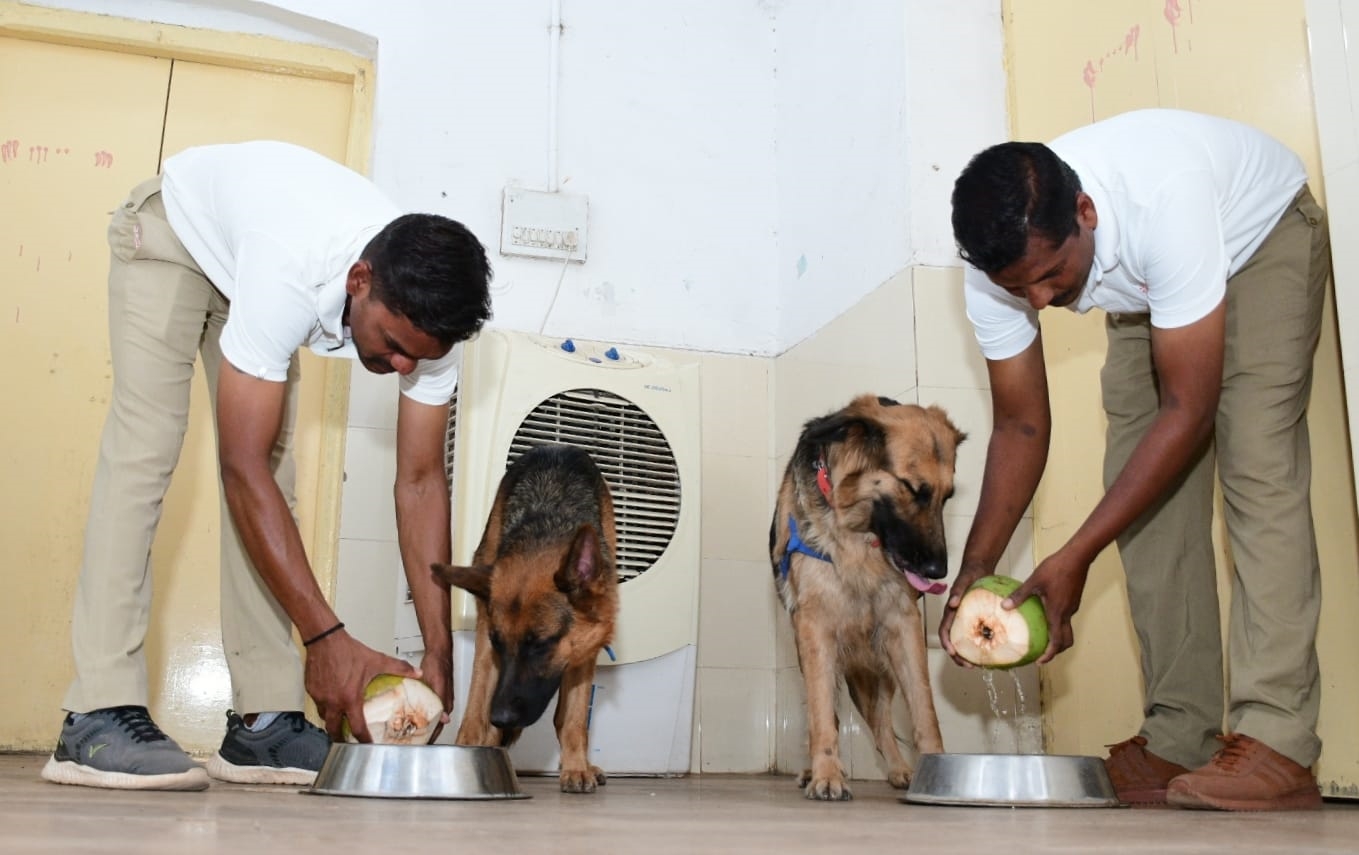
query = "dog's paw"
{"x": 600, "y": 778}
{"x": 828, "y": 789}
{"x": 804, "y": 778}
{"x": 581, "y": 780}
{"x": 900, "y": 778}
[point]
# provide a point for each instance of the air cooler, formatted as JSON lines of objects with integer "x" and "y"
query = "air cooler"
{"x": 637, "y": 414}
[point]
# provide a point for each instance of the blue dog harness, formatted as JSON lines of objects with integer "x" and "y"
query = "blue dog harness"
{"x": 797, "y": 544}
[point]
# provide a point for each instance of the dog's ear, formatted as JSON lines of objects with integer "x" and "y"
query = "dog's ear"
{"x": 828, "y": 429}
{"x": 582, "y": 574}
{"x": 838, "y": 427}
{"x": 475, "y": 580}
{"x": 936, "y": 412}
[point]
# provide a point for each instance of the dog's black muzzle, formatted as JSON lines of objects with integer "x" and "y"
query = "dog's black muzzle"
{"x": 522, "y": 694}
{"x": 906, "y": 546}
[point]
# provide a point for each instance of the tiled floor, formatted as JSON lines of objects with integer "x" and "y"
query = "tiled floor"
{"x": 714, "y": 813}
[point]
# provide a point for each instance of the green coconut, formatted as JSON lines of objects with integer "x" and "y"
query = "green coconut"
{"x": 399, "y": 711}
{"x": 986, "y": 634}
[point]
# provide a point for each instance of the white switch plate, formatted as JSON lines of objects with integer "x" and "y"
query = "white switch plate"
{"x": 538, "y": 224}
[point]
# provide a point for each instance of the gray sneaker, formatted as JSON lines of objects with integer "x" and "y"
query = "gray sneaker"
{"x": 120, "y": 748}
{"x": 289, "y": 751}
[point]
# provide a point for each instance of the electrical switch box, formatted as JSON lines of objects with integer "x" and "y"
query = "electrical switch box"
{"x": 539, "y": 224}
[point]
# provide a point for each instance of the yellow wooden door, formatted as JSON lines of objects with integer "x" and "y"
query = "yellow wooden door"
{"x": 78, "y": 128}
{"x": 97, "y": 119}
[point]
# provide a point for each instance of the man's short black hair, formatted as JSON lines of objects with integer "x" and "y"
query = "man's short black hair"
{"x": 434, "y": 272}
{"x": 1006, "y": 193}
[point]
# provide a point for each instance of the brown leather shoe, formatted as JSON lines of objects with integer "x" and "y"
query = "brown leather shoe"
{"x": 1139, "y": 776}
{"x": 1246, "y": 774}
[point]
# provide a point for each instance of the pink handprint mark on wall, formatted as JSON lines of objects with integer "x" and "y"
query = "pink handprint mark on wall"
{"x": 104, "y": 159}
{"x": 1173, "y": 12}
{"x": 37, "y": 153}
{"x": 1094, "y": 68}
{"x": 9, "y": 150}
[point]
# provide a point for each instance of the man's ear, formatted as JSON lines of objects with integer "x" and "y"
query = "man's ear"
{"x": 1086, "y": 215}
{"x": 360, "y": 278}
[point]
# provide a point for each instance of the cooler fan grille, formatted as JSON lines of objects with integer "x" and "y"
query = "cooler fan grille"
{"x": 632, "y": 454}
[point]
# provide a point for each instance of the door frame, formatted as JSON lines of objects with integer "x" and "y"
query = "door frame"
{"x": 253, "y": 53}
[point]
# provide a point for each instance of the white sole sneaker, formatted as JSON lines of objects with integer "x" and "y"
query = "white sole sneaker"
{"x": 70, "y": 772}
{"x": 224, "y": 770}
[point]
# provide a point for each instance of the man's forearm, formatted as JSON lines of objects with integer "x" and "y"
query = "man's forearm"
{"x": 1015, "y": 459}
{"x": 274, "y": 545}
{"x": 422, "y": 513}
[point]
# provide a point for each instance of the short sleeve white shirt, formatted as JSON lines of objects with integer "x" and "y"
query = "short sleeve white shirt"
{"x": 1183, "y": 200}
{"x": 275, "y": 228}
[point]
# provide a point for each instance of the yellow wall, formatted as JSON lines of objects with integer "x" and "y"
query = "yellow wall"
{"x": 72, "y": 85}
{"x": 1246, "y": 59}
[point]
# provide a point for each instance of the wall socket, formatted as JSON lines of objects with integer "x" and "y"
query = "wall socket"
{"x": 538, "y": 224}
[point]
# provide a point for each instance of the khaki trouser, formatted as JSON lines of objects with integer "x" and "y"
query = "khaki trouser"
{"x": 162, "y": 313}
{"x": 1263, "y": 459}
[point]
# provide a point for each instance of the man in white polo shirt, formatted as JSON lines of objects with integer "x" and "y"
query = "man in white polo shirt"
{"x": 1200, "y": 240}
{"x": 245, "y": 253}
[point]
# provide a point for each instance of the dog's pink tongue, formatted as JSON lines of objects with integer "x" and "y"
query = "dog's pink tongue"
{"x": 924, "y": 585}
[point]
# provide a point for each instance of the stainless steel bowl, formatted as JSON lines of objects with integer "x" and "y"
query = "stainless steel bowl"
{"x": 417, "y": 772}
{"x": 1012, "y": 780}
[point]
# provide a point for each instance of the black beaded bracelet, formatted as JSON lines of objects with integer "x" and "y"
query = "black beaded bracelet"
{"x": 336, "y": 628}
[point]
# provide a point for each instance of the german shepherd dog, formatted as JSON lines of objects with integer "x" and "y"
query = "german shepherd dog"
{"x": 857, "y": 536}
{"x": 547, "y": 602}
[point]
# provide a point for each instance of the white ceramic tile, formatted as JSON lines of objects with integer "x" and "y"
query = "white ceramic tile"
{"x": 790, "y": 722}
{"x": 947, "y": 352}
{"x": 967, "y": 719}
{"x": 735, "y": 395}
{"x": 738, "y": 607}
{"x": 366, "y": 586}
{"x": 368, "y": 511}
{"x": 372, "y": 399}
{"x": 696, "y": 735}
{"x": 878, "y": 329}
{"x": 736, "y": 507}
{"x": 808, "y": 390}
{"x": 736, "y": 707}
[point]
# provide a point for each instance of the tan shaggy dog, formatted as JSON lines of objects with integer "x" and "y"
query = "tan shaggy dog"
{"x": 857, "y": 535}
{"x": 547, "y": 604}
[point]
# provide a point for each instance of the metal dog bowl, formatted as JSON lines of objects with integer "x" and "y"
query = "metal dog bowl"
{"x": 417, "y": 772}
{"x": 1012, "y": 780}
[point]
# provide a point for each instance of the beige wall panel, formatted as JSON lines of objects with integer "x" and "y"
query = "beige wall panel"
{"x": 216, "y": 104}
{"x": 1245, "y": 60}
{"x": 78, "y": 128}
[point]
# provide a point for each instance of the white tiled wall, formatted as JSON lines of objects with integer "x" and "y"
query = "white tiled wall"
{"x": 366, "y": 600}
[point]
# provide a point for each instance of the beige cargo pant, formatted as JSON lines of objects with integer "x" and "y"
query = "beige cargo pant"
{"x": 163, "y": 312}
{"x": 1263, "y": 459}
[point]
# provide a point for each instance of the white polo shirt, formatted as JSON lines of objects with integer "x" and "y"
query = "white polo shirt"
{"x": 276, "y": 227}
{"x": 1183, "y": 199}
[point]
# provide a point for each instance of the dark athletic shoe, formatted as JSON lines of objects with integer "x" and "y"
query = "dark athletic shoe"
{"x": 289, "y": 751}
{"x": 121, "y": 748}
